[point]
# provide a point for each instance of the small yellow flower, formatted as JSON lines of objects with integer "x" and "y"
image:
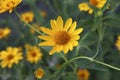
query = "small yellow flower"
{"x": 117, "y": 44}
{"x": 28, "y": 16}
{"x": 97, "y": 3}
{"x": 43, "y": 13}
{"x": 36, "y": 26}
{"x": 83, "y": 74}
{"x": 4, "y": 32}
{"x": 8, "y": 5}
{"x": 33, "y": 54}
{"x": 10, "y": 56}
{"x": 39, "y": 73}
{"x": 84, "y": 7}
{"x": 61, "y": 36}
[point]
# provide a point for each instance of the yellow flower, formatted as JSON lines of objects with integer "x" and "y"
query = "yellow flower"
{"x": 39, "y": 73}
{"x": 33, "y": 54}
{"x": 97, "y": 3}
{"x": 117, "y": 44}
{"x": 4, "y": 32}
{"x": 61, "y": 36}
{"x": 28, "y": 16}
{"x": 85, "y": 7}
{"x": 83, "y": 74}
{"x": 36, "y": 26}
{"x": 8, "y": 5}
{"x": 10, "y": 56}
{"x": 43, "y": 13}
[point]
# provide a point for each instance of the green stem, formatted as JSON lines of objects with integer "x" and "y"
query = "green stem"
{"x": 27, "y": 23}
{"x": 93, "y": 60}
{"x": 98, "y": 50}
{"x": 63, "y": 56}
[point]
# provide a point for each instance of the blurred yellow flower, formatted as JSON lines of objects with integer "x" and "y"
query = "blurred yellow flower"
{"x": 85, "y": 7}
{"x": 97, "y": 3}
{"x": 39, "y": 73}
{"x": 8, "y": 5}
{"x": 117, "y": 44}
{"x": 61, "y": 36}
{"x": 10, "y": 56}
{"x": 4, "y": 32}
{"x": 43, "y": 13}
{"x": 83, "y": 74}
{"x": 36, "y": 26}
{"x": 33, "y": 54}
{"x": 28, "y": 16}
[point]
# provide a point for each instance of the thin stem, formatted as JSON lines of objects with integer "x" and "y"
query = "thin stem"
{"x": 27, "y": 23}
{"x": 63, "y": 56}
{"x": 98, "y": 50}
{"x": 93, "y": 60}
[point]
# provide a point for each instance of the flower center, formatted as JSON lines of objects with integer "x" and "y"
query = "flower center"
{"x": 62, "y": 37}
{"x": 10, "y": 4}
{"x": 33, "y": 54}
{"x": 10, "y": 57}
{"x": 1, "y": 34}
{"x": 39, "y": 73}
{"x": 93, "y": 2}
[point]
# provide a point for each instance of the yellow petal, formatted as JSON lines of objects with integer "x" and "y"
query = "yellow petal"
{"x": 75, "y": 43}
{"x": 53, "y": 24}
{"x": 75, "y": 37}
{"x": 78, "y": 31}
{"x": 68, "y": 24}
{"x": 47, "y": 31}
{"x": 60, "y": 48}
{"x": 60, "y": 22}
{"x": 65, "y": 49}
{"x": 48, "y": 38}
{"x": 47, "y": 43}
{"x": 53, "y": 50}
{"x": 73, "y": 26}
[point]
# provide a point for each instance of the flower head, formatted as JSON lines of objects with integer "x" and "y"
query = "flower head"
{"x": 4, "y": 32}
{"x": 97, "y": 3}
{"x": 10, "y": 56}
{"x": 33, "y": 54}
{"x": 8, "y": 5}
{"x": 63, "y": 37}
{"x": 117, "y": 44}
{"x": 39, "y": 73}
{"x": 83, "y": 74}
{"x": 28, "y": 16}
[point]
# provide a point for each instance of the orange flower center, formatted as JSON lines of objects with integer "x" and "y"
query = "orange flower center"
{"x": 93, "y": 2}
{"x": 33, "y": 54}
{"x": 10, "y": 57}
{"x": 1, "y": 34}
{"x": 62, "y": 37}
{"x": 39, "y": 73}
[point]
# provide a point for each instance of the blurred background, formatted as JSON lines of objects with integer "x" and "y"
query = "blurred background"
{"x": 42, "y": 12}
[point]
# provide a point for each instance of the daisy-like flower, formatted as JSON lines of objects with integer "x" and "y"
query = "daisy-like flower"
{"x": 8, "y": 5}
{"x": 97, "y": 3}
{"x": 4, "y": 32}
{"x": 39, "y": 73}
{"x": 10, "y": 56}
{"x": 28, "y": 16}
{"x": 83, "y": 74}
{"x": 61, "y": 36}
{"x": 33, "y": 54}
{"x": 117, "y": 44}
